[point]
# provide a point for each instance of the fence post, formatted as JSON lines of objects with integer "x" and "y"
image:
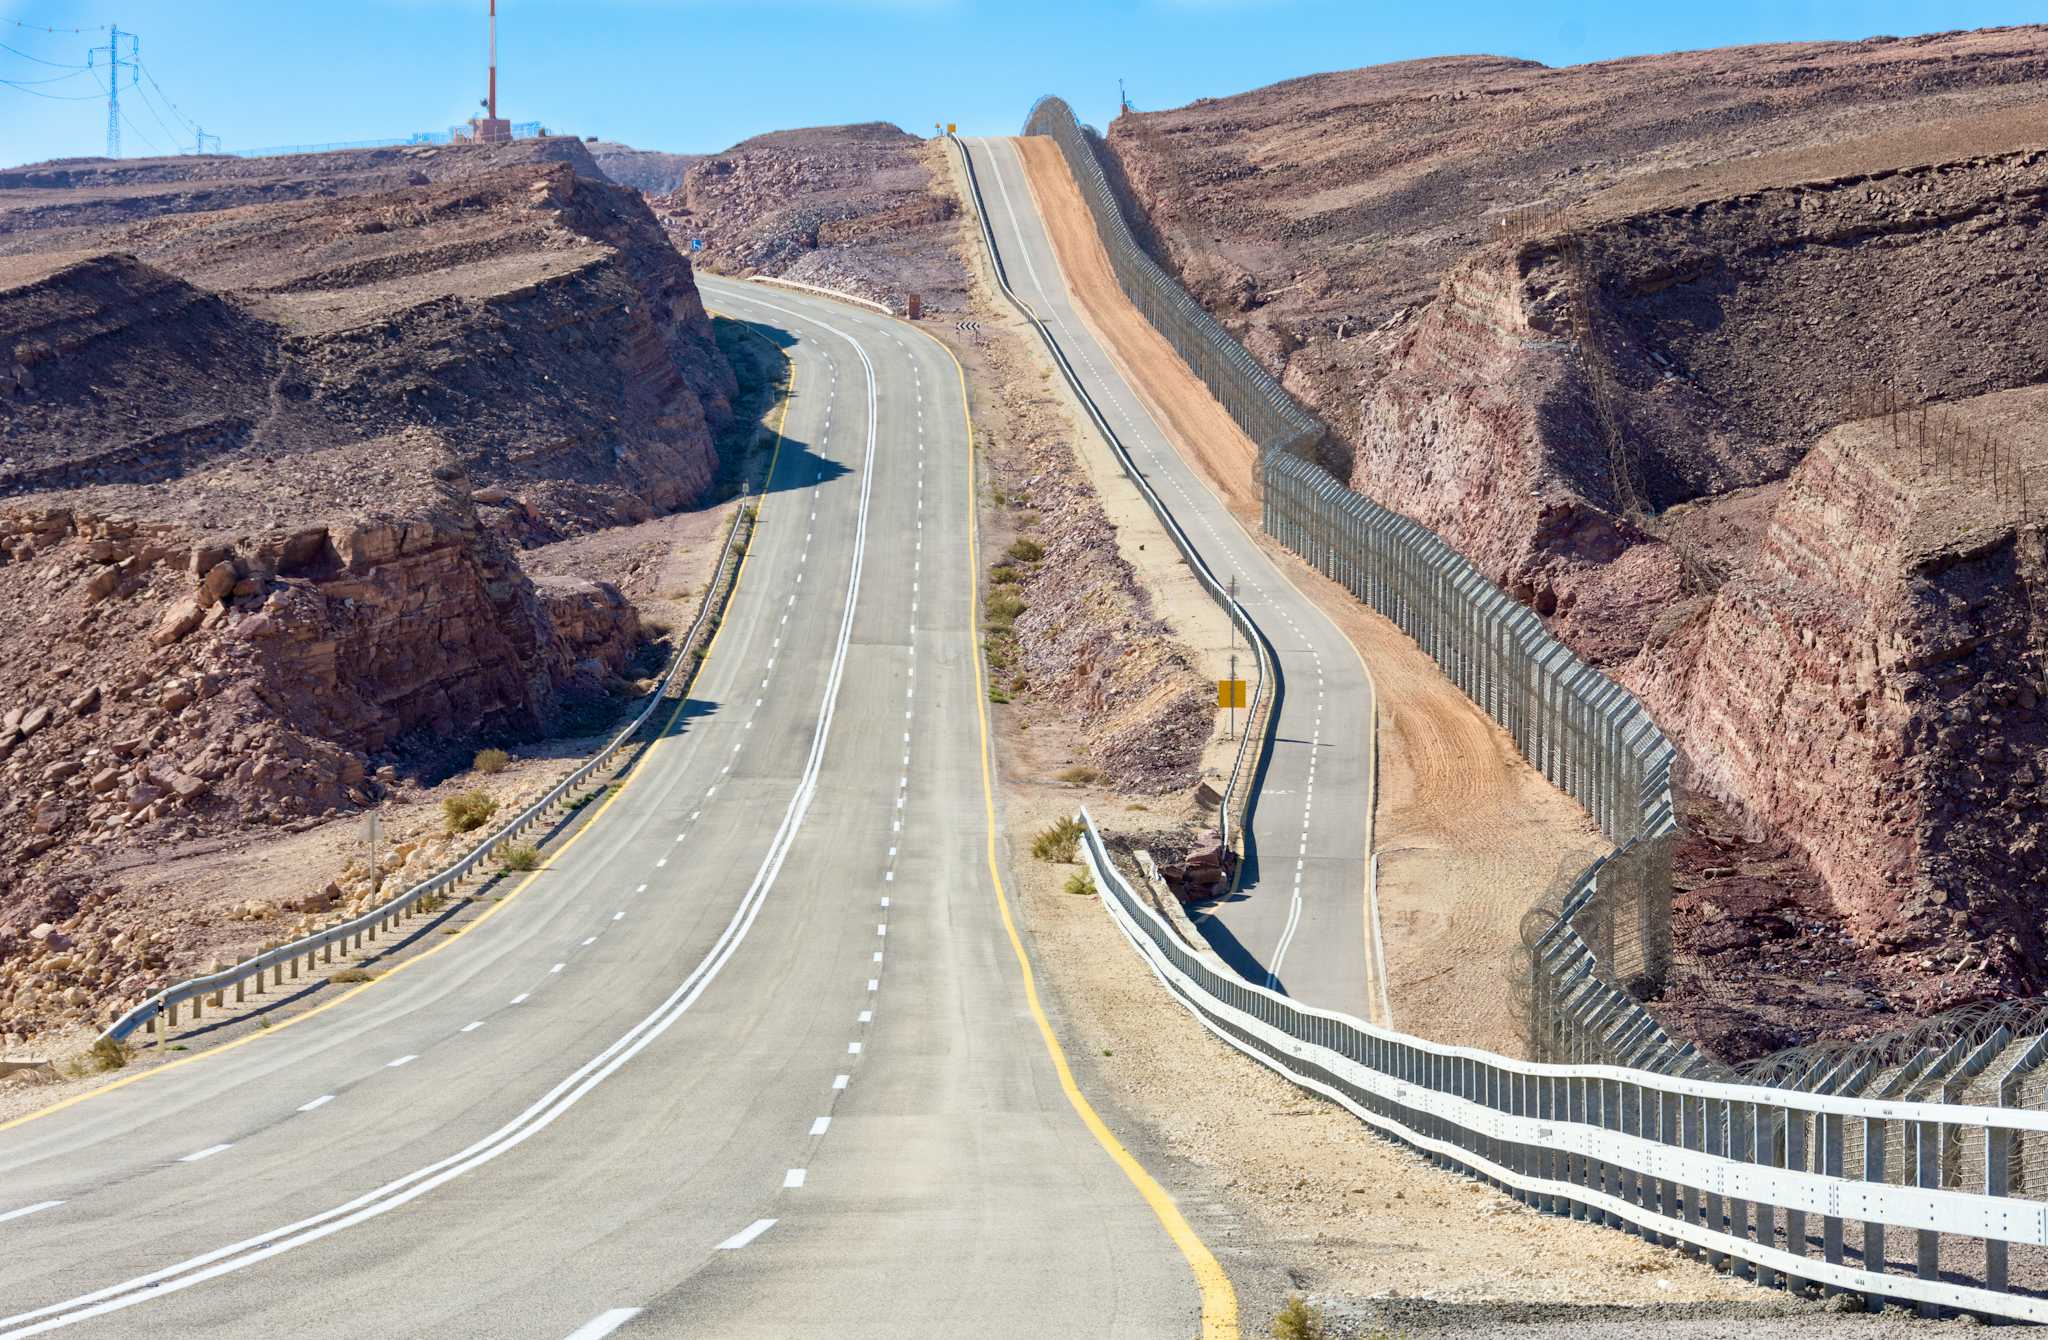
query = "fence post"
{"x": 1795, "y": 1220}
{"x": 1997, "y": 1182}
{"x": 1926, "y": 1137}
{"x": 1873, "y": 1229}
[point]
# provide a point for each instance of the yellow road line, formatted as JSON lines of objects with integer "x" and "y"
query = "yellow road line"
{"x": 1219, "y": 1299}
{"x": 489, "y": 912}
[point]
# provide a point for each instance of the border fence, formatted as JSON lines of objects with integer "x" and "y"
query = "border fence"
{"x": 1610, "y": 938}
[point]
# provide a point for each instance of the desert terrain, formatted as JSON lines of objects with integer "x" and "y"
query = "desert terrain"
{"x": 295, "y": 459}
{"x": 1719, "y": 361}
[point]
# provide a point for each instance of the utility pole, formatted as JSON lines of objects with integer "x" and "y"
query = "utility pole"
{"x": 1123, "y": 99}
{"x": 492, "y": 103}
{"x": 200, "y": 139}
{"x": 116, "y": 62}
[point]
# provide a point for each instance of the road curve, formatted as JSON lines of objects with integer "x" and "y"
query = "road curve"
{"x": 752, "y": 1056}
{"x": 1298, "y": 922}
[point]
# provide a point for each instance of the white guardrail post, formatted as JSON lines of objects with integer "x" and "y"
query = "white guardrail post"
{"x": 160, "y": 1012}
{"x": 1736, "y": 1172}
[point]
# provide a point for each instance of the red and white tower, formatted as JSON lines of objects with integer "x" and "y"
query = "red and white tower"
{"x": 488, "y": 128}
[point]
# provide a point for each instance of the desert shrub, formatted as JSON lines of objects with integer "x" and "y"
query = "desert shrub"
{"x": 1080, "y": 776}
{"x": 468, "y": 812}
{"x": 1299, "y": 1320}
{"x": 1004, "y": 607}
{"x": 1081, "y": 884}
{"x": 347, "y": 975}
{"x": 492, "y": 760}
{"x": 109, "y": 1054}
{"x": 519, "y": 856}
{"x": 1060, "y": 843}
{"x": 1024, "y": 549}
{"x": 998, "y": 694}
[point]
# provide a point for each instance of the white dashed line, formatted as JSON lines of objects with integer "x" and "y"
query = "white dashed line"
{"x": 322, "y": 1101}
{"x": 403, "y": 1060}
{"x": 36, "y": 1208}
{"x": 206, "y": 1153}
{"x": 604, "y": 1323}
{"x": 746, "y": 1235}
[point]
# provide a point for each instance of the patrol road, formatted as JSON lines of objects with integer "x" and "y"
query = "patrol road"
{"x": 751, "y": 1056}
{"x": 1299, "y": 922}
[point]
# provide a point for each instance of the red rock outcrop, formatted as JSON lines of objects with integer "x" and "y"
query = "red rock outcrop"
{"x": 1735, "y": 248}
{"x": 272, "y": 436}
{"x": 858, "y": 208}
{"x": 1872, "y": 686}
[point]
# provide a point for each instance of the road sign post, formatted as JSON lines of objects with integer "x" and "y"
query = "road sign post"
{"x": 1230, "y": 693}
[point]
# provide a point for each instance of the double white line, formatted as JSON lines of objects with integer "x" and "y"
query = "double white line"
{"x": 542, "y": 1113}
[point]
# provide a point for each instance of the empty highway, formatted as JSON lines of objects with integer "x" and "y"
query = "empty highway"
{"x": 1299, "y": 921}
{"x": 752, "y": 1056}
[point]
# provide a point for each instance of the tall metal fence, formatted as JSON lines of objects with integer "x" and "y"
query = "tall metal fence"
{"x": 1609, "y": 940}
{"x": 1261, "y": 406}
{"x": 1904, "y": 1195}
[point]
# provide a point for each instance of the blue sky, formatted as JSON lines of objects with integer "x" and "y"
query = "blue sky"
{"x": 702, "y": 74}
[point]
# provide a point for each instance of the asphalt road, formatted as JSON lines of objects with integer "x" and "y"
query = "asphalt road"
{"x": 1299, "y": 920}
{"x": 750, "y": 1057}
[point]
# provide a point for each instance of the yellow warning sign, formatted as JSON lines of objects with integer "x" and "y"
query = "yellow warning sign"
{"x": 1230, "y": 693}
{"x": 951, "y": 128}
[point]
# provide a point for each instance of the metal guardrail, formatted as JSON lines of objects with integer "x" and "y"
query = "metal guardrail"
{"x": 1790, "y": 1189}
{"x": 1234, "y": 807}
{"x": 780, "y": 282}
{"x": 164, "y": 1004}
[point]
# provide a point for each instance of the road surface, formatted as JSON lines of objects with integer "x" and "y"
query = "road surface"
{"x": 1299, "y": 919}
{"x": 751, "y": 1057}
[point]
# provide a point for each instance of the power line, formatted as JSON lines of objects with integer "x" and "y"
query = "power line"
{"x": 150, "y": 103}
{"x": 55, "y": 65}
{"x": 54, "y": 97}
{"x": 53, "y": 79}
{"x": 39, "y": 28}
{"x": 175, "y": 110}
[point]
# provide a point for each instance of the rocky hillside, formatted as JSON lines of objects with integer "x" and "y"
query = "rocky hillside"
{"x": 1596, "y": 325}
{"x": 273, "y": 435}
{"x": 860, "y": 208}
{"x": 645, "y": 170}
